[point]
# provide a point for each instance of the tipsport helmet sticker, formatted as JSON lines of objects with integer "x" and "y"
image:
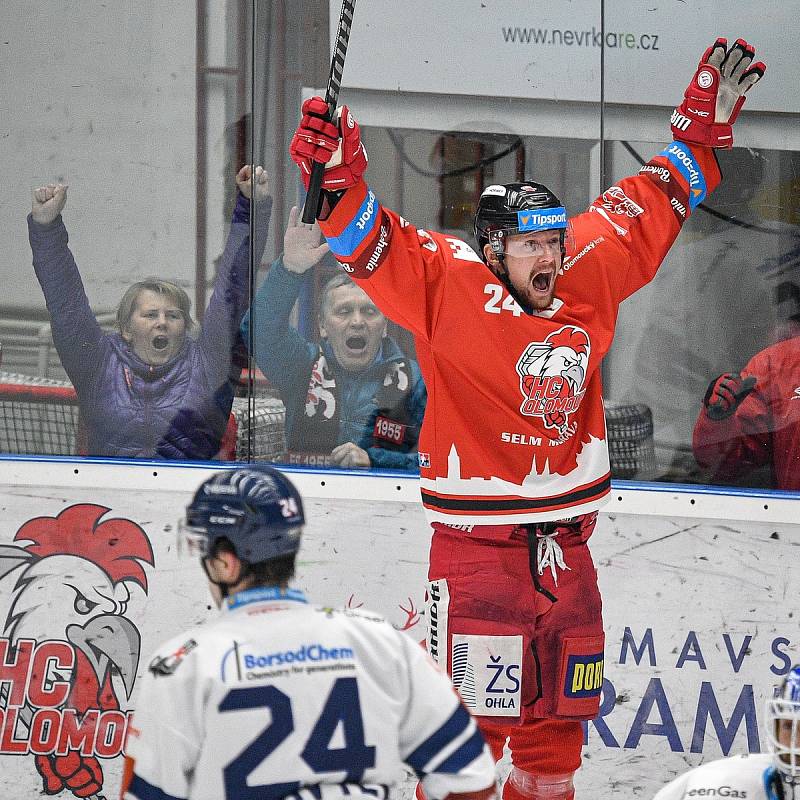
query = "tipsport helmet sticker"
{"x": 542, "y": 220}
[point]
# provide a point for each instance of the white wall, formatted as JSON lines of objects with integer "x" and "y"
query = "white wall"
{"x": 101, "y": 96}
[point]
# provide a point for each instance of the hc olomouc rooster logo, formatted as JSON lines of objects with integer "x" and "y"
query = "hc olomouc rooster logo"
{"x": 552, "y": 374}
{"x": 67, "y": 648}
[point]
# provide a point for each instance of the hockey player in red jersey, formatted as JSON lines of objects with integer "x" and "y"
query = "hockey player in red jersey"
{"x": 753, "y": 420}
{"x": 513, "y": 454}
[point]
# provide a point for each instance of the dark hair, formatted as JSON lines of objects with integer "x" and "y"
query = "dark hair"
{"x": 274, "y": 572}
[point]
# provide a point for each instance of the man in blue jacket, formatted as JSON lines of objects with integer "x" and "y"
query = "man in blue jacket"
{"x": 355, "y": 400}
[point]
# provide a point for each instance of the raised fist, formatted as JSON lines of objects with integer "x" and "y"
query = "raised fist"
{"x": 48, "y": 202}
{"x": 337, "y": 144}
{"x": 78, "y": 774}
{"x": 725, "y": 394}
{"x": 713, "y": 99}
{"x": 245, "y": 181}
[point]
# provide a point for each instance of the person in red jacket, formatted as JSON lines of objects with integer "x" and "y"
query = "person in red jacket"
{"x": 513, "y": 454}
{"x": 752, "y": 419}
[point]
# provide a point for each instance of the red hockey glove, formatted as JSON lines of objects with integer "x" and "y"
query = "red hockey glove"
{"x": 724, "y": 394}
{"x": 336, "y": 144}
{"x": 716, "y": 94}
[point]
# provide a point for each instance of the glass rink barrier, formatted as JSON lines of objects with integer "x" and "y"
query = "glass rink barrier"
{"x": 554, "y": 270}
{"x": 160, "y": 289}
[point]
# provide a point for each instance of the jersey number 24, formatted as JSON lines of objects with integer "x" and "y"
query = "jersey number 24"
{"x": 343, "y": 705}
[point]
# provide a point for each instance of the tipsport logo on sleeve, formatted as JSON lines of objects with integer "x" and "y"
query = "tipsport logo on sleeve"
{"x": 681, "y": 157}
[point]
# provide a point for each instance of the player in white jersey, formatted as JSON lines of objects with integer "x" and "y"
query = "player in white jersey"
{"x": 772, "y": 776}
{"x": 282, "y": 699}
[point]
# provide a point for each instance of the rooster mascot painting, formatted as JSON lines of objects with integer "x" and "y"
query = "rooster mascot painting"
{"x": 68, "y": 652}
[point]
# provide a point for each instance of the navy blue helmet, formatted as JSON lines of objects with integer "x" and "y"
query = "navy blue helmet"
{"x": 256, "y": 508}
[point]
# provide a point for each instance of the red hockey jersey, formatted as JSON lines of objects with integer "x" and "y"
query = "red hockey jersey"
{"x": 765, "y": 429}
{"x": 514, "y": 429}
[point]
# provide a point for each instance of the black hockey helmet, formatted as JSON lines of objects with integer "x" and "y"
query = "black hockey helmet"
{"x": 256, "y": 508}
{"x": 512, "y": 208}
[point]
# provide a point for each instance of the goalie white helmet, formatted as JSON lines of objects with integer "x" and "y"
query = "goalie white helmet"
{"x": 782, "y": 724}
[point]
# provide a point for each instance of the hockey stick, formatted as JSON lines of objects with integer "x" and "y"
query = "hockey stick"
{"x": 331, "y": 98}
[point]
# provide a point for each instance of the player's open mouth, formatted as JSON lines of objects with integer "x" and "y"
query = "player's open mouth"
{"x": 542, "y": 281}
{"x": 356, "y": 343}
{"x": 160, "y": 342}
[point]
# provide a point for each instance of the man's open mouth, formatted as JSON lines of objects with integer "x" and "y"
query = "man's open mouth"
{"x": 160, "y": 342}
{"x": 542, "y": 280}
{"x": 356, "y": 343}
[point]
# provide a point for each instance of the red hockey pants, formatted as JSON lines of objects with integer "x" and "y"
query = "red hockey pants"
{"x": 514, "y": 613}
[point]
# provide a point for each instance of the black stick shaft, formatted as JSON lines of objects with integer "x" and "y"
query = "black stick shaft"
{"x": 311, "y": 207}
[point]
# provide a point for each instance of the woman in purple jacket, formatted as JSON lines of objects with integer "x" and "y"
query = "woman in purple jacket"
{"x": 149, "y": 390}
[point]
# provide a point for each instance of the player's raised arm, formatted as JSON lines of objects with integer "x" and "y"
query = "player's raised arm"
{"x": 335, "y": 144}
{"x": 645, "y": 213}
{"x": 402, "y": 268}
{"x": 735, "y": 429}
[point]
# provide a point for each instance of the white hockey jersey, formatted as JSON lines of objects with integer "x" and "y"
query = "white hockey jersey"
{"x": 752, "y": 777}
{"x": 278, "y": 698}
